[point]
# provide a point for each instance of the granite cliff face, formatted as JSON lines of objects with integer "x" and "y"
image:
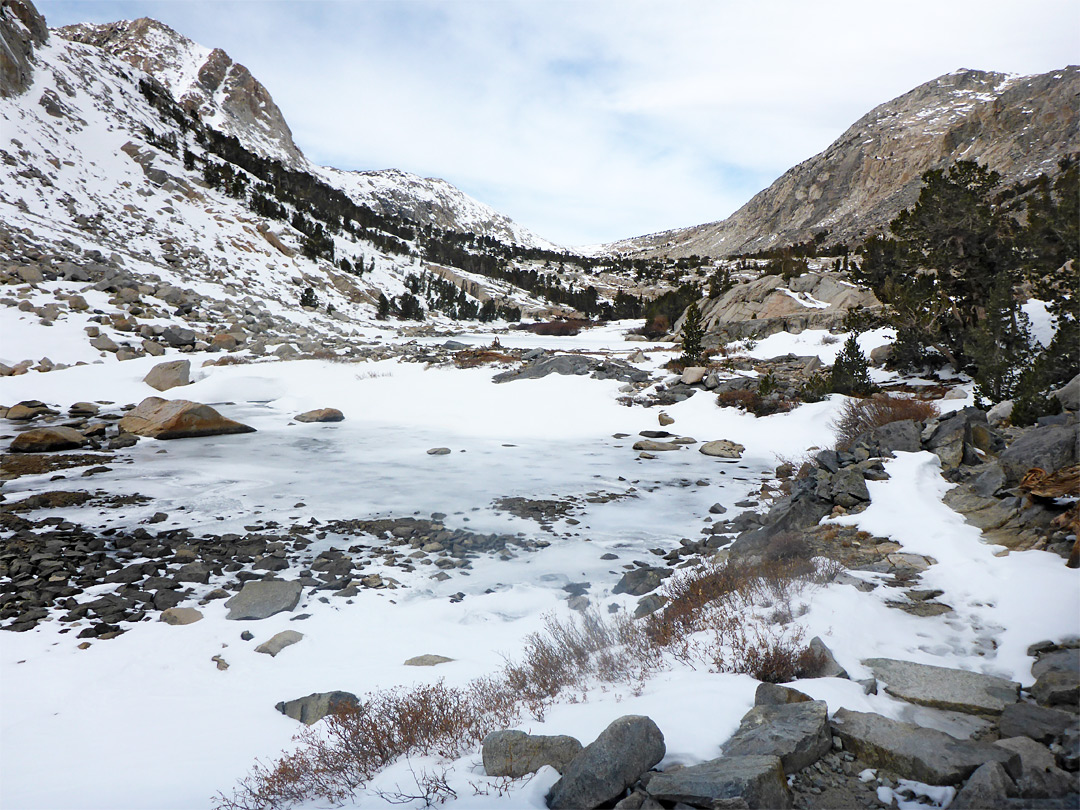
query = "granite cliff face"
{"x": 21, "y": 30}
{"x": 1019, "y": 126}
{"x": 222, "y": 92}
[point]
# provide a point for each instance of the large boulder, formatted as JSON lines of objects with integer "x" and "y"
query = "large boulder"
{"x": 606, "y": 767}
{"x": 1069, "y": 394}
{"x": 798, "y": 733}
{"x": 989, "y": 788}
{"x": 314, "y": 707}
{"x": 1037, "y": 722}
{"x": 259, "y": 599}
{"x": 757, "y": 780}
{"x": 47, "y": 440}
{"x": 515, "y": 753}
{"x": 1049, "y": 448}
{"x": 168, "y": 375}
{"x": 640, "y": 581}
{"x": 1040, "y": 778}
{"x": 912, "y": 752}
{"x": 160, "y": 418}
{"x": 944, "y": 688}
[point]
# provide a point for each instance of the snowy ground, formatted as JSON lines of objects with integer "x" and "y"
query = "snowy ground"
{"x": 147, "y": 720}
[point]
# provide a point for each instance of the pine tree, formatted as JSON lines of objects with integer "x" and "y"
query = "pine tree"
{"x": 851, "y": 371}
{"x": 1000, "y": 346}
{"x": 693, "y": 332}
{"x": 308, "y": 299}
{"x": 384, "y": 307}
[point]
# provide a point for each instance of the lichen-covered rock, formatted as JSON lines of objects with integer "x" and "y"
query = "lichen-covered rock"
{"x": 515, "y": 753}
{"x": 47, "y": 440}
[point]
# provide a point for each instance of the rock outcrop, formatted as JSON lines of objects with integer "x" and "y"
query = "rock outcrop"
{"x": 22, "y": 29}
{"x": 873, "y": 171}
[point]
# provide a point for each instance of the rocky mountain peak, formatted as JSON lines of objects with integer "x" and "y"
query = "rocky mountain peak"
{"x": 208, "y": 82}
{"x": 22, "y": 29}
{"x": 1020, "y": 126}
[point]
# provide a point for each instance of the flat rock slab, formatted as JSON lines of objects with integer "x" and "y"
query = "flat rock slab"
{"x": 1037, "y": 722}
{"x": 261, "y": 598}
{"x": 516, "y": 754}
{"x": 321, "y": 415}
{"x": 913, "y": 752}
{"x": 278, "y": 642}
{"x": 47, "y": 440}
{"x": 655, "y": 446}
{"x": 798, "y": 733}
{"x": 722, "y": 448}
{"x": 758, "y": 780}
{"x": 428, "y": 661}
{"x": 615, "y": 760}
{"x": 944, "y": 688}
{"x": 160, "y": 418}
{"x": 314, "y": 707}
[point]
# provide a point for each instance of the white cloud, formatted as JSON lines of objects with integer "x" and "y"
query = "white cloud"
{"x": 592, "y": 121}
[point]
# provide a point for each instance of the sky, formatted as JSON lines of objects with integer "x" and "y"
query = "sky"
{"x": 589, "y": 121}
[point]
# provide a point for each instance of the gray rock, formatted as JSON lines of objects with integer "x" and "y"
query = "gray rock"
{"x": 260, "y": 598}
{"x": 439, "y": 451}
{"x": 649, "y": 604}
{"x": 567, "y": 364}
{"x": 1000, "y": 413}
{"x": 654, "y": 446}
{"x": 903, "y": 436}
{"x": 168, "y": 375}
{"x": 1040, "y": 778}
{"x": 954, "y": 438}
{"x": 606, "y": 767}
{"x": 798, "y": 733}
{"x": 944, "y": 688}
{"x": 912, "y": 752}
{"x": 828, "y": 668}
{"x": 314, "y": 707}
{"x": 758, "y": 780}
{"x": 640, "y": 581}
{"x": 1049, "y": 448}
{"x": 1037, "y": 722}
{"x": 990, "y": 481}
{"x": 773, "y": 694}
{"x": 515, "y": 753}
{"x": 278, "y": 642}
{"x": 1069, "y": 394}
{"x": 1057, "y": 688}
{"x": 1063, "y": 660}
{"x": 989, "y": 788}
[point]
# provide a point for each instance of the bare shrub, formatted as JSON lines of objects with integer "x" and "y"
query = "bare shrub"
{"x": 766, "y": 652}
{"x": 753, "y": 402}
{"x": 472, "y": 358}
{"x": 857, "y": 416}
{"x": 654, "y": 329}
{"x": 788, "y": 546}
{"x": 564, "y": 327}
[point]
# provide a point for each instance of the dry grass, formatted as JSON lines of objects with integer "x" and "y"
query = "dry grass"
{"x": 753, "y": 402}
{"x": 857, "y": 416}
{"x": 473, "y": 358}
{"x": 564, "y": 327}
{"x": 704, "y": 622}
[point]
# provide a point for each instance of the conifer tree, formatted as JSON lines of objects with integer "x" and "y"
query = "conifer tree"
{"x": 851, "y": 371}
{"x": 693, "y": 332}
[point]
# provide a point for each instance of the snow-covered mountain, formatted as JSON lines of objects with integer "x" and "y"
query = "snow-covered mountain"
{"x": 1020, "y": 126}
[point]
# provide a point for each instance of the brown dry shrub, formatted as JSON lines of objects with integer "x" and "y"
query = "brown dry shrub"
{"x": 228, "y": 360}
{"x": 857, "y": 416}
{"x": 753, "y": 402}
{"x": 473, "y": 358}
{"x": 654, "y": 329}
{"x": 564, "y": 327}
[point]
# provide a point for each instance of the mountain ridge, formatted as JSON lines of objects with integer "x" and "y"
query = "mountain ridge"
{"x": 1019, "y": 125}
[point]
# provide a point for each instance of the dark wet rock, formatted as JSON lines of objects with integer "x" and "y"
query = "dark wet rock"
{"x": 798, "y": 733}
{"x": 516, "y": 754}
{"x": 641, "y": 581}
{"x": 314, "y": 707}
{"x": 757, "y": 780}
{"x": 624, "y": 750}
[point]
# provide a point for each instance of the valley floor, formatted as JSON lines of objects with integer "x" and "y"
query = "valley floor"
{"x": 148, "y": 720}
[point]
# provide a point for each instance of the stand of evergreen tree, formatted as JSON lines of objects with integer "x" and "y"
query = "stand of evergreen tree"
{"x": 851, "y": 371}
{"x": 693, "y": 333}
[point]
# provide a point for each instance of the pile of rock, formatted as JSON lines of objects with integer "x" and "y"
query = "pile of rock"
{"x": 787, "y": 752}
